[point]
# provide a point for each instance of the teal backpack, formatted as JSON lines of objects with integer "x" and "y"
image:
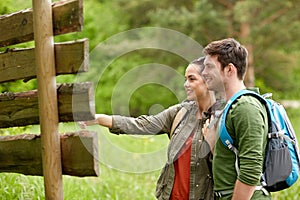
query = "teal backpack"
{"x": 281, "y": 163}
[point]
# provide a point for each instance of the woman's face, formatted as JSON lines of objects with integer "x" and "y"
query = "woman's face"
{"x": 194, "y": 84}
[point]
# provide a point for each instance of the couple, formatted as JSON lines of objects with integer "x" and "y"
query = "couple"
{"x": 194, "y": 152}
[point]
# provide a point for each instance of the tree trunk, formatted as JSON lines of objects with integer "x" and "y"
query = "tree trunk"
{"x": 250, "y": 75}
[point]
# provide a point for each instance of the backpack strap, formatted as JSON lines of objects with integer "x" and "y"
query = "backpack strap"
{"x": 224, "y": 135}
{"x": 179, "y": 116}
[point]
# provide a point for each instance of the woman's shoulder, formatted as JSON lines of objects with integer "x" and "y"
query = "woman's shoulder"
{"x": 188, "y": 104}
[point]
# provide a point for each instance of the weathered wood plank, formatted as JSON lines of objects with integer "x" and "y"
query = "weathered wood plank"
{"x": 22, "y": 154}
{"x": 18, "y": 27}
{"x": 75, "y": 103}
{"x": 80, "y": 154}
{"x": 70, "y": 58}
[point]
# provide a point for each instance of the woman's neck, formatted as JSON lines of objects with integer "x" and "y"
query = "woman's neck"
{"x": 204, "y": 104}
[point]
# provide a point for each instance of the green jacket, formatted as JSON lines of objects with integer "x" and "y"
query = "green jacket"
{"x": 247, "y": 123}
{"x": 201, "y": 183}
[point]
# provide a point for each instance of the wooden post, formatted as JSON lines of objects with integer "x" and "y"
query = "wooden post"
{"x": 48, "y": 110}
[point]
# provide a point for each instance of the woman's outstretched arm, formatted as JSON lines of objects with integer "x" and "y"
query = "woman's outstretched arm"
{"x": 100, "y": 119}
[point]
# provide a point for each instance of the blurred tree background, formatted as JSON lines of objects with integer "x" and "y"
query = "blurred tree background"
{"x": 269, "y": 29}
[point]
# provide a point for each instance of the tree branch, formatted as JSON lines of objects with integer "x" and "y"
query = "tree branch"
{"x": 273, "y": 17}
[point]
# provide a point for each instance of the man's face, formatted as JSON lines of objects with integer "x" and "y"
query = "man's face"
{"x": 213, "y": 74}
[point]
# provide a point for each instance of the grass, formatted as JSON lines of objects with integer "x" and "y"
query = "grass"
{"x": 135, "y": 179}
{"x": 111, "y": 184}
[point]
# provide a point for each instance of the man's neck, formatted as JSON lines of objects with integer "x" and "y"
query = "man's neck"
{"x": 232, "y": 88}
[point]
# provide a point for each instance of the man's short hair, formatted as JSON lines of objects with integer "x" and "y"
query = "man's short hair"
{"x": 229, "y": 51}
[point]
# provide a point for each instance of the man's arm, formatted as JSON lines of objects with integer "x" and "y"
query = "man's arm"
{"x": 242, "y": 191}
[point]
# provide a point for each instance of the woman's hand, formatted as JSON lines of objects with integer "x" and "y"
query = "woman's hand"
{"x": 84, "y": 124}
{"x": 100, "y": 119}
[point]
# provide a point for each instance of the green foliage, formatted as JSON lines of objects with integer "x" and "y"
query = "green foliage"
{"x": 139, "y": 10}
{"x": 100, "y": 22}
{"x": 4, "y": 7}
{"x": 113, "y": 184}
{"x": 276, "y": 57}
{"x": 18, "y": 86}
{"x": 143, "y": 96}
{"x": 132, "y": 80}
{"x": 193, "y": 23}
{"x": 14, "y": 130}
{"x": 16, "y": 186}
{"x": 289, "y": 194}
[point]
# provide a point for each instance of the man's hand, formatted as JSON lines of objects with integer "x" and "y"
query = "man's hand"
{"x": 209, "y": 133}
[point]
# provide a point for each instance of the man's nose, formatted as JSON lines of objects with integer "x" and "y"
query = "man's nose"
{"x": 204, "y": 71}
{"x": 186, "y": 84}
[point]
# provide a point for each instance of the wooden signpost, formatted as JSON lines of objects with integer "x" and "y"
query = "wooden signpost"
{"x": 50, "y": 154}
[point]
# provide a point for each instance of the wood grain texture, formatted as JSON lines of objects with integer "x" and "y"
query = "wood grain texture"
{"x": 18, "y": 27}
{"x": 47, "y": 99}
{"x": 22, "y": 154}
{"x": 70, "y": 58}
{"x": 75, "y": 103}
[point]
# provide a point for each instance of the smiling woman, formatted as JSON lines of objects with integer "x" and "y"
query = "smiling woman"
{"x": 176, "y": 180}
{"x": 194, "y": 85}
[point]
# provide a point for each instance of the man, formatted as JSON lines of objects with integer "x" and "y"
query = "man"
{"x": 246, "y": 122}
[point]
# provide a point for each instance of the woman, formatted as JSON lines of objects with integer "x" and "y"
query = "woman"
{"x": 187, "y": 173}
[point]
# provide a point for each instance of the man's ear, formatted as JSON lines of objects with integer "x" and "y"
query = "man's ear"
{"x": 230, "y": 69}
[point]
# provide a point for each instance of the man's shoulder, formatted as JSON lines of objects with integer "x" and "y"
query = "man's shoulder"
{"x": 248, "y": 104}
{"x": 249, "y": 101}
